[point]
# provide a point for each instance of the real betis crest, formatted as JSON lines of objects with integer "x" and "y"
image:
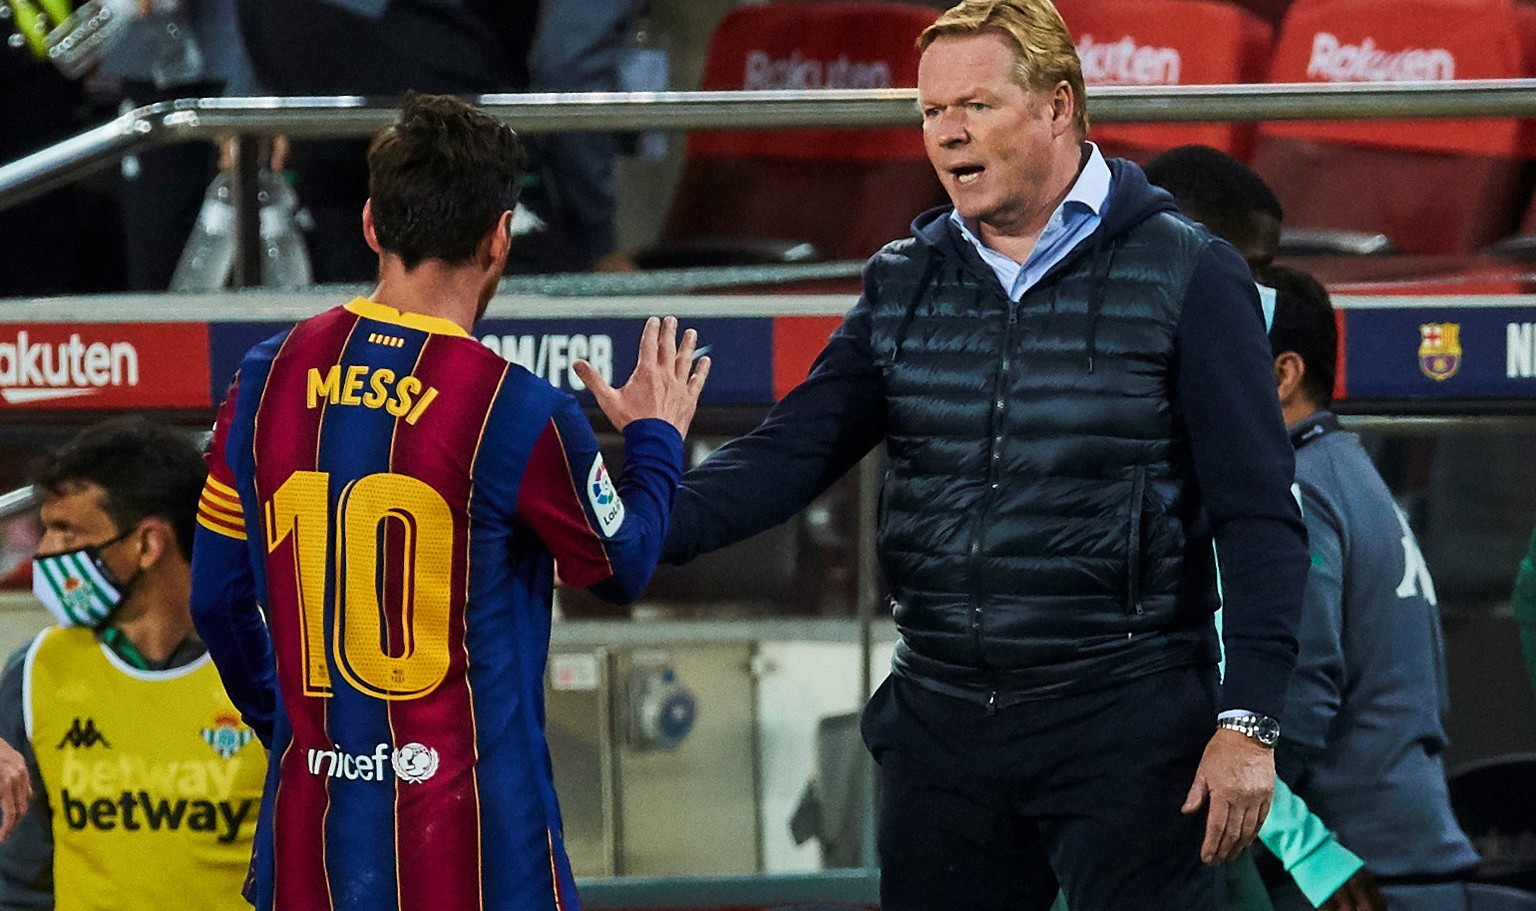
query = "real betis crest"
{"x": 227, "y": 735}
{"x": 1440, "y": 350}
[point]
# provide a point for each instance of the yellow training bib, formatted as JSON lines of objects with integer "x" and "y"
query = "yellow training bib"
{"x": 153, "y": 782}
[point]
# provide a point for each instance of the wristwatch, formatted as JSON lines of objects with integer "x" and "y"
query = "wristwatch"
{"x": 1262, "y": 728}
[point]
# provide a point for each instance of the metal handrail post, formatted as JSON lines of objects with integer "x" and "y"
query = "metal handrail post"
{"x": 246, "y": 189}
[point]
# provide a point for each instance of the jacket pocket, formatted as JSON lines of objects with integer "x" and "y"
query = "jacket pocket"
{"x": 1133, "y": 551}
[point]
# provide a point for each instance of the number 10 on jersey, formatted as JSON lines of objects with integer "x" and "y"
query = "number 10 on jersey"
{"x": 299, "y": 514}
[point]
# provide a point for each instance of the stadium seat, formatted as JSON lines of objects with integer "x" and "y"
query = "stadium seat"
{"x": 1271, "y": 11}
{"x": 1431, "y": 186}
{"x": 761, "y": 195}
{"x": 1168, "y": 42}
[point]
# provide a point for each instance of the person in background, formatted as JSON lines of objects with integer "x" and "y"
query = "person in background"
{"x": 1226, "y": 196}
{"x": 1235, "y": 204}
{"x": 177, "y": 49}
{"x": 145, "y": 784}
{"x": 1364, "y": 712}
{"x": 68, "y": 240}
{"x": 462, "y": 47}
{"x": 1077, "y": 399}
{"x": 374, "y": 570}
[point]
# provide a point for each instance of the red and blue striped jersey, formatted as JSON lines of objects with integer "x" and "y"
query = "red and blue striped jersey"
{"x": 386, "y": 505}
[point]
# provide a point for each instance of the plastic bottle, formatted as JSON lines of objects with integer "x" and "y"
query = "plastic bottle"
{"x": 78, "y": 43}
{"x": 209, "y": 255}
{"x": 208, "y": 260}
{"x": 175, "y": 56}
{"x": 285, "y": 258}
{"x": 644, "y": 66}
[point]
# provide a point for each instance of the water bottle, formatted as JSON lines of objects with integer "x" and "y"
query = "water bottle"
{"x": 78, "y": 43}
{"x": 209, "y": 257}
{"x": 284, "y": 258}
{"x": 208, "y": 260}
{"x": 644, "y": 67}
{"x": 175, "y": 57}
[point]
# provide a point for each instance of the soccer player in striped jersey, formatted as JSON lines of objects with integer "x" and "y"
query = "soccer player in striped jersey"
{"x": 386, "y": 503}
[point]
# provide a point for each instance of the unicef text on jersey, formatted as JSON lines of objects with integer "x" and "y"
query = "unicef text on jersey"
{"x": 412, "y": 763}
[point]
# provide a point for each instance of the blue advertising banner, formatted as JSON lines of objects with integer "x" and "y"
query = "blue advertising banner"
{"x": 741, "y": 350}
{"x": 1440, "y": 352}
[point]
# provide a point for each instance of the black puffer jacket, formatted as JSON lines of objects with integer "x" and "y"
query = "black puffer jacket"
{"x": 1057, "y": 466}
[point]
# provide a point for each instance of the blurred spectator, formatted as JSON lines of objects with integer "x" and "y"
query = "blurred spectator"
{"x": 467, "y": 47}
{"x": 186, "y": 49}
{"x": 1225, "y": 195}
{"x": 173, "y": 49}
{"x": 146, "y": 785}
{"x": 42, "y": 249}
{"x": 1364, "y": 711}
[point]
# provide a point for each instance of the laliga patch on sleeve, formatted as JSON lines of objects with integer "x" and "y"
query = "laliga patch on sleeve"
{"x": 604, "y": 498}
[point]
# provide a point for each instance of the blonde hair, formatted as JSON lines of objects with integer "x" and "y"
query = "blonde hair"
{"x": 1044, "y": 53}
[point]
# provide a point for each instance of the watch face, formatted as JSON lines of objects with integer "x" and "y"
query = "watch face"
{"x": 1267, "y": 731}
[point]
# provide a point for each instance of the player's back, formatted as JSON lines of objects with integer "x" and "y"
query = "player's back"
{"x": 409, "y": 615}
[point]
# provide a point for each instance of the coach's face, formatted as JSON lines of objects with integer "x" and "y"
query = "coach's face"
{"x": 992, "y": 141}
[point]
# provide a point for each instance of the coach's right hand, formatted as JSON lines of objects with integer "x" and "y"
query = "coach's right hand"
{"x": 666, "y": 382}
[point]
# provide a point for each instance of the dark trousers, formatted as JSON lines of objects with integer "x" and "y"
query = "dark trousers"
{"x": 985, "y": 812}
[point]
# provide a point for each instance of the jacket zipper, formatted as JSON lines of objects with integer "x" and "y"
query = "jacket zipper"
{"x": 1133, "y": 603}
{"x": 994, "y": 458}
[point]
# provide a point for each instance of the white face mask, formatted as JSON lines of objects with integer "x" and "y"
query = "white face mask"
{"x": 77, "y": 587}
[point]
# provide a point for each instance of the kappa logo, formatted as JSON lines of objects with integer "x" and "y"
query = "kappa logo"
{"x": 83, "y": 736}
{"x": 604, "y": 498}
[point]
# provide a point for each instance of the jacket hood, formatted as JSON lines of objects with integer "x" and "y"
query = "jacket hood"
{"x": 1131, "y": 201}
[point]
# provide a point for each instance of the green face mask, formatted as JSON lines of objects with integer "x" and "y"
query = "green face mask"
{"x": 77, "y": 587}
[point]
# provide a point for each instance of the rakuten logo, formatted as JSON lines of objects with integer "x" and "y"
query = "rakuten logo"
{"x": 1364, "y": 62}
{"x": 1125, "y": 62}
{"x": 410, "y": 763}
{"x": 37, "y": 371}
{"x": 798, "y": 71}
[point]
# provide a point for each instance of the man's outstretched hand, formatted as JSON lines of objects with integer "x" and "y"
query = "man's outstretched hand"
{"x": 666, "y": 382}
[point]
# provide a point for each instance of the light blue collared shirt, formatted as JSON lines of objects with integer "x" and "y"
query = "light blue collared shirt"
{"x": 1078, "y": 216}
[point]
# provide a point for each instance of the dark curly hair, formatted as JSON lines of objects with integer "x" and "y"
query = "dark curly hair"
{"x": 146, "y": 469}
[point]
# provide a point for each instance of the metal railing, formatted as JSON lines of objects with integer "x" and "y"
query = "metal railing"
{"x": 247, "y": 119}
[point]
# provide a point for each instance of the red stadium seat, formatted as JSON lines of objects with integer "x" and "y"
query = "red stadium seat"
{"x": 845, "y": 191}
{"x": 1271, "y": 11}
{"x": 1431, "y": 186}
{"x": 1168, "y": 42}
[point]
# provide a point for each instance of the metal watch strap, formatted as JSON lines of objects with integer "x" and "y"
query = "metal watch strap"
{"x": 1262, "y": 729}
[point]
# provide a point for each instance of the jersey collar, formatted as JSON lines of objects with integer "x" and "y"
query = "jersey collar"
{"x": 385, "y": 314}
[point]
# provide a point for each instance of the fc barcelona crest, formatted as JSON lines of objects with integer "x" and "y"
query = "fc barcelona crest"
{"x": 227, "y": 735}
{"x": 1440, "y": 350}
